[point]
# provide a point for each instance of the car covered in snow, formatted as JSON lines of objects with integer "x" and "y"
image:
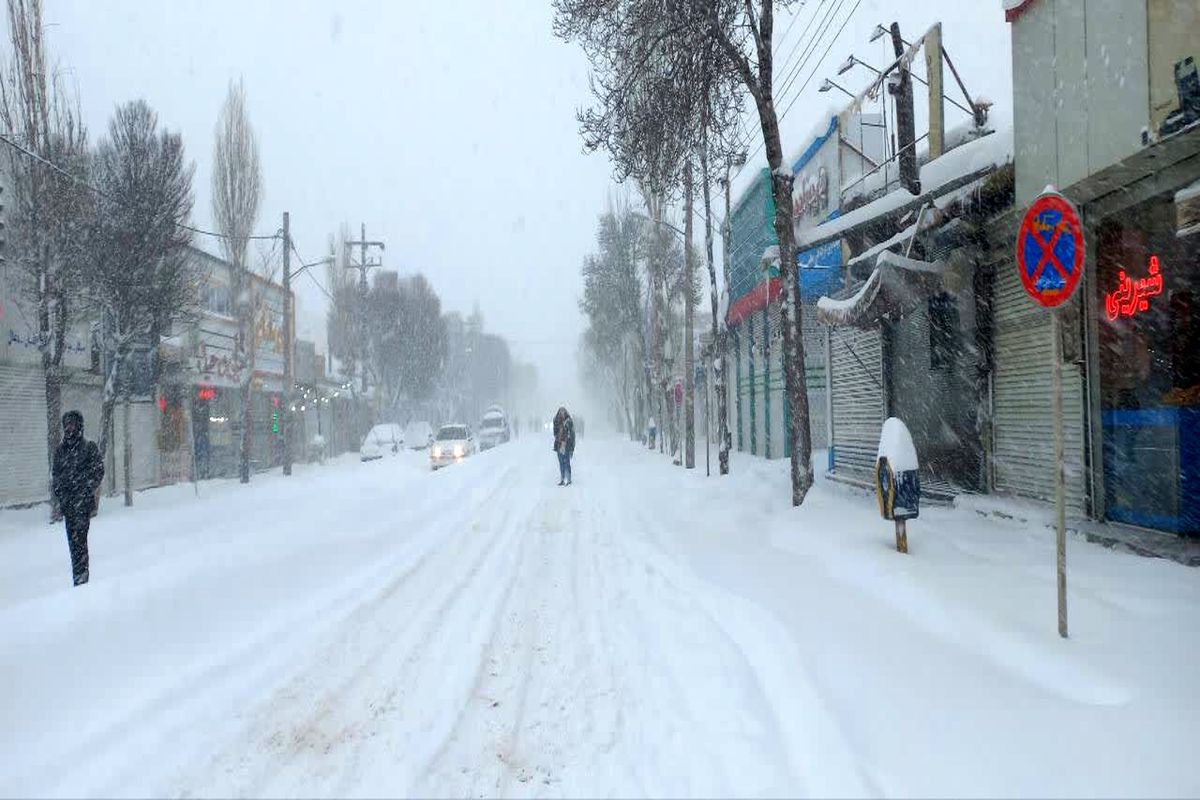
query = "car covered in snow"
{"x": 418, "y": 434}
{"x": 384, "y": 439}
{"x": 452, "y": 444}
{"x": 493, "y": 428}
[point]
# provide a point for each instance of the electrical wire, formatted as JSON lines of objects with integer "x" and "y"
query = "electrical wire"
{"x": 81, "y": 182}
{"x": 822, "y": 58}
{"x": 796, "y": 96}
{"x": 786, "y": 82}
{"x": 311, "y": 277}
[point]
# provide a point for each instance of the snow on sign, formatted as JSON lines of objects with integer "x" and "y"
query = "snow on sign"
{"x": 1050, "y": 250}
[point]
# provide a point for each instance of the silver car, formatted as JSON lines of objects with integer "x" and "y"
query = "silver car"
{"x": 452, "y": 444}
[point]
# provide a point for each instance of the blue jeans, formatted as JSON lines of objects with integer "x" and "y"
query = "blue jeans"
{"x": 564, "y": 467}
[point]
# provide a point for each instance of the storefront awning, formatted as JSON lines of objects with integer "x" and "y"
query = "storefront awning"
{"x": 896, "y": 287}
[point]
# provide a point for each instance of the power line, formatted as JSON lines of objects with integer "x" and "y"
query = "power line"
{"x": 311, "y": 277}
{"x": 822, "y": 58}
{"x": 826, "y": 24}
{"x": 802, "y": 59}
{"x": 789, "y": 70}
{"x": 81, "y": 182}
{"x": 804, "y": 86}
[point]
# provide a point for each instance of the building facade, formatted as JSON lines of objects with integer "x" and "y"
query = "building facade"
{"x": 1124, "y": 146}
{"x": 759, "y": 409}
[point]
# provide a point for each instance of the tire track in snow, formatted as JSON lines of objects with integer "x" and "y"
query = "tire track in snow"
{"x": 320, "y": 746}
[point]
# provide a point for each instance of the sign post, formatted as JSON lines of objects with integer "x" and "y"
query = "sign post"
{"x": 1050, "y": 262}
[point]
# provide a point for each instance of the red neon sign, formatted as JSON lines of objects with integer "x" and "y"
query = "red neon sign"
{"x": 206, "y": 393}
{"x": 1133, "y": 297}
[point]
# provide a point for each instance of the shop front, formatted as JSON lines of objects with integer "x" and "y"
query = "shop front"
{"x": 1147, "y": 295}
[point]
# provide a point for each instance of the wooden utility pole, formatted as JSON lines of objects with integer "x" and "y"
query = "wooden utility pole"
{"x": 910, "y": 176}
{"x": 362, "y": 267}
{"x": 288, "y": 313}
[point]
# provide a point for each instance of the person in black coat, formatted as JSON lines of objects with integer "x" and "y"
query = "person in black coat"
{"x": 564, "y": 444}
{"x": 78, "y": 470}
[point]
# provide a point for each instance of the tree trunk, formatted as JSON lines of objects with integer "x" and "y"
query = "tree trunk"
{"x": 689, "y": 311}
{"x": 128, "y": 437}
{"x": 718, "y": 353}
{"x": 53, "y": 389}
{"x": 247, "y": 435}
{"x": 790, "y": 311}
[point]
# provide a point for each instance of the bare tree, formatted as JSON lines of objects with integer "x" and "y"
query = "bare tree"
{"x": 142, "y": 279}
{"x": 744, "y": 29}
{"x": 47, "y": 168}
{"x": 236, "y": 193}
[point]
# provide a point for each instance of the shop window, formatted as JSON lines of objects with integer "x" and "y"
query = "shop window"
{"x": 943, "y": 332}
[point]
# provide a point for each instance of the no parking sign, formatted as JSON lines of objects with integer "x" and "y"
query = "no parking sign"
{"x": 1050, "y": 250}
{"x": 1050, "y": 260}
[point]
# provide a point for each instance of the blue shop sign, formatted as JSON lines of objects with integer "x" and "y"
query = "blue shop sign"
{"x": 820, "y": 270}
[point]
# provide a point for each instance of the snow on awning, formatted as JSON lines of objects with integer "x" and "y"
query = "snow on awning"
{"x": 896, "y": 287}
{"x": 951, "y": 172}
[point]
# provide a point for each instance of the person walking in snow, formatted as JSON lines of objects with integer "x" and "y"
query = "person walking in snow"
{"x": 652, "y": 434}
{"x": 76, "y": 475}
{"x": 564, "y": 444}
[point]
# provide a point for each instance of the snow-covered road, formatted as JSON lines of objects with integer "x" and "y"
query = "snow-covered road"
{"x": 375, "y": 629}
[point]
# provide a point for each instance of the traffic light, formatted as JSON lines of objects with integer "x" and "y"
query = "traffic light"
{"x": 274, "y": 415}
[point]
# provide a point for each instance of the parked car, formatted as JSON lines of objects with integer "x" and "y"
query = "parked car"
{"x": 452, "y": 444}
{"x": 493, "y": 428}
{"x": 384, "y": 439}
{"x": 418, "y": 434}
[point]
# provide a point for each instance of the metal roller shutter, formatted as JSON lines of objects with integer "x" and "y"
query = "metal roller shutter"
{"x": 813, "y": 333}
{"x": 856, "y": 380}
{"x": 24, "y": 469}
{"x": 1022, "y": 429}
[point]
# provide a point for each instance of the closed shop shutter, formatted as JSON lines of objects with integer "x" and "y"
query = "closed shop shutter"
{"x": 24, "y": 467}
{"x": 813, "y": 333}
{"x": 856, "y": 380}
{"x": 1022, "y": 428}
{"x": 773, "y": 407}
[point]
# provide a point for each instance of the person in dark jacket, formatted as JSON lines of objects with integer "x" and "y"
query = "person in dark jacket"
{"x": 78, "y": 470}
{"x": 564, "y": 444}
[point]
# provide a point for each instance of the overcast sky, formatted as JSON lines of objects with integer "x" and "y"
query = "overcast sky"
{"x": 448, "y": 128}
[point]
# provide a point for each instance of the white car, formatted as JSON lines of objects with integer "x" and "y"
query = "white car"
{"x": 418, "y": 435}
{"x": 382, "y": 440}
{"x": 493, "y": 429}
{"x": 452, "y": 444}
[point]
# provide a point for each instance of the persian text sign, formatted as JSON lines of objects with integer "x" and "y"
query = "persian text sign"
{"x": 1050, "y": 250}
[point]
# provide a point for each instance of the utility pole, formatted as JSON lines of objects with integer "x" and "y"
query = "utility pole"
{"x": 689, "y": 353}
{"x": 288, "y": 378}
{"x": 910, "y": 176}
{"x": 362, "y": 267}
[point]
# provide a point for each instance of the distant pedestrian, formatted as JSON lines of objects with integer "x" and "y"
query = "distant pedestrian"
{"x": 78, "y": 470}
{"x": 564, "y": 444}
{"x": 653, "y": 432}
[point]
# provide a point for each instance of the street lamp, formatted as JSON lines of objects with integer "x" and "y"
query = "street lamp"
{"x": 827, "y": 84}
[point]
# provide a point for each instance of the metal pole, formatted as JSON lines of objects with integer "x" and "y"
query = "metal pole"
{"x": 707, "y": 415}
{"x": 1059, "y": 488}
{"x": 287, "y": 345}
